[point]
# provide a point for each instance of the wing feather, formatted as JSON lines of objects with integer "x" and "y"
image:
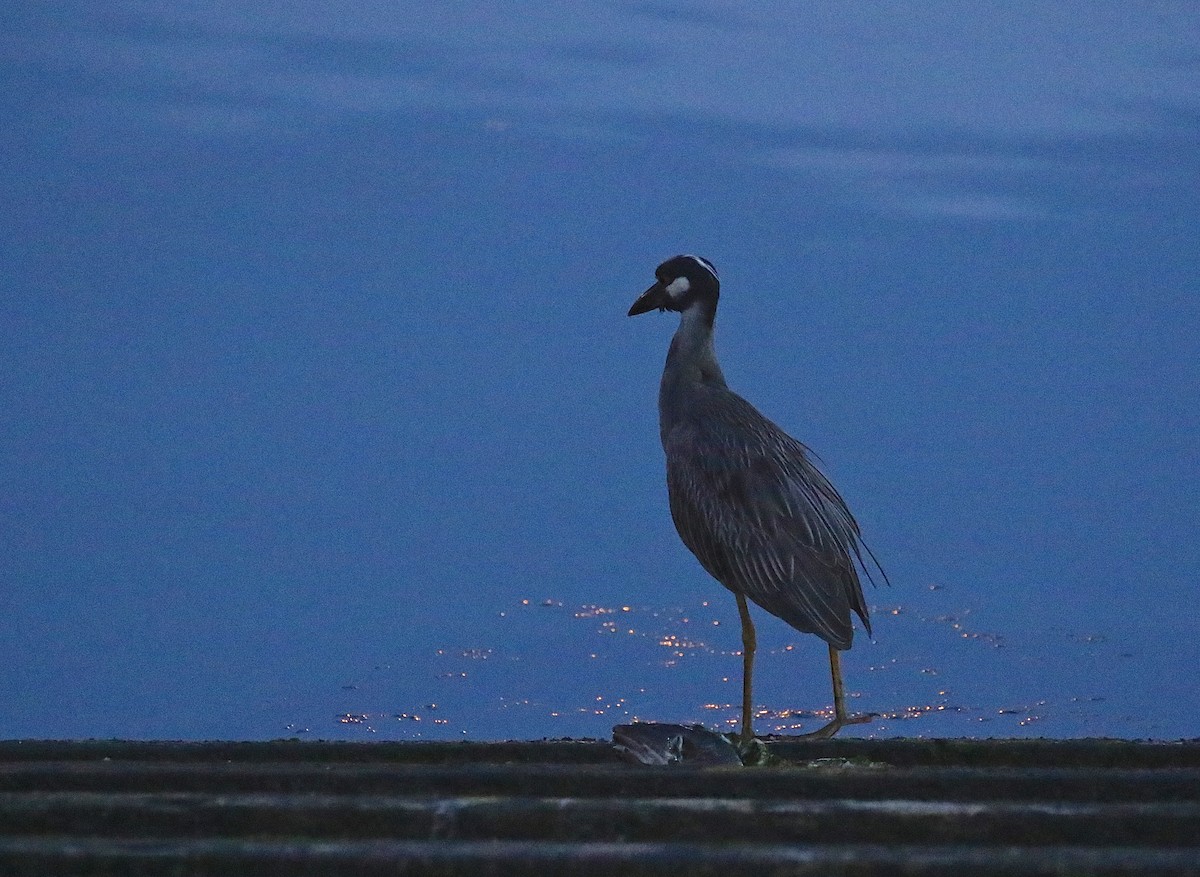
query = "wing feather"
{"x": 762, "y": 519}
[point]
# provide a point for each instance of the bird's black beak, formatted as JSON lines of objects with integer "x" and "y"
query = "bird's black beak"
{"x": 654, "y": 297}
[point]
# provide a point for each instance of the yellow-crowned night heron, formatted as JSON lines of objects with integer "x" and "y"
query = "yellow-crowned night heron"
{"x": 746, "y": 497}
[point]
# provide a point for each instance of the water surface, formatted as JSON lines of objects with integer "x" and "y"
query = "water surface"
{"x": 323, "y": 416}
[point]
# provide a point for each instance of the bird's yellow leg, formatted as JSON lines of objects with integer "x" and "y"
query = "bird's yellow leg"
{"x": 840, "y": 716}
{"x": 749, "y": 644}
{"x": 839, "y": 693}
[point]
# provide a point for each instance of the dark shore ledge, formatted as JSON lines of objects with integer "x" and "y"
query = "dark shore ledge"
{"x": 839, "y": 807}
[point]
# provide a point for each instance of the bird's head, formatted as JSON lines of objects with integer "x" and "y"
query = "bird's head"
{"x": 683, "y": 282}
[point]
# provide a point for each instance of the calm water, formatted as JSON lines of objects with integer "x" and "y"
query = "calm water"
{"x": 933, "y": 672}
{"x": 323, "y": 417}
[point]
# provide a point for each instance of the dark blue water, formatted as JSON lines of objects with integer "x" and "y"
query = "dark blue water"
{"x": 322, "y": 416}
{"x": 933, "y": 672}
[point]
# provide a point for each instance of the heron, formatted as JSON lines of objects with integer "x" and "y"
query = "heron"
{"x": 747, "y": 499}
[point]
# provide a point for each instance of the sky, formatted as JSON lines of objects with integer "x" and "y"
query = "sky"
{"x": 323, "y": 416}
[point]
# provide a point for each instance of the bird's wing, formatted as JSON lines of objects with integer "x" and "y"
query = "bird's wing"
{"x": 763, "y": 520}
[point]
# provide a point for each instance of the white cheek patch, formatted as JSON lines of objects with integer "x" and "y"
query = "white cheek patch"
{"x": 678, "y": 287}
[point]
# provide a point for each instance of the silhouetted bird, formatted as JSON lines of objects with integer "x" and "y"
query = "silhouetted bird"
{"x": 746, "y": 497}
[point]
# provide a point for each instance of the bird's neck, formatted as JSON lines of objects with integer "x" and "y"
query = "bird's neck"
{"x": 691, "y": 360}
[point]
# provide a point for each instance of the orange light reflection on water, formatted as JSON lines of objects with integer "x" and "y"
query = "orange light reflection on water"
{"x": 640, "y": 661}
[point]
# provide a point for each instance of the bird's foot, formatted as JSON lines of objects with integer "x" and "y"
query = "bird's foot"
{"x": 824, "y": 733}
